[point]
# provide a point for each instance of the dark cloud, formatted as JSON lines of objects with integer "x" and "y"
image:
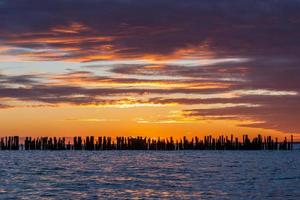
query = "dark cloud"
{"x": 26, "y": 79}
{"x": 259, "y": 73}
{"x": 56, "y": 91}
{"x": 225, "y": 28}
{"x": 274, "y": 113}
{"x": 262, "y": 100}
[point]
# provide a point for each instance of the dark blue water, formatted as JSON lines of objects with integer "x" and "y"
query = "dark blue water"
{"x": 150, "y": 175}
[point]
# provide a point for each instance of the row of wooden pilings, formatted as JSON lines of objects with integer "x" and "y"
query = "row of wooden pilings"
{"x": 144, "y": 143}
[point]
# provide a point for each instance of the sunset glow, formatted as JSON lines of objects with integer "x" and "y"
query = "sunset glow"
{"x": 100, "y": 68}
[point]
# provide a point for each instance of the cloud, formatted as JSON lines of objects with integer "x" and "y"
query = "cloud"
{"x": 3, "y": 106}
{"x": 110, "y": 29}
{"x": 273, "y": 113}
{"x": 86, "y": 88}
{"x": 270, "y": 109}
{"x": 258, "y": 73}
{"x": 37, "y": 92}
{"x": 27, "y": 79}
{"x": 91, "y": 79}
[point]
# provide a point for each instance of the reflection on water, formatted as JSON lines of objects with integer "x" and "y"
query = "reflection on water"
{"x": 142, "y": 174}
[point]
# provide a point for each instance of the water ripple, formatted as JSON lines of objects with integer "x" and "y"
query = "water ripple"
{"x": 149, "y": 175}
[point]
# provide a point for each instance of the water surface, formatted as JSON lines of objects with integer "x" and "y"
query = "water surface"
{"x": 150, "y": 174}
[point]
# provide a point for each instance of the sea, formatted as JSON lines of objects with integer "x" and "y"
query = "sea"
{"x": 150, "y": 174}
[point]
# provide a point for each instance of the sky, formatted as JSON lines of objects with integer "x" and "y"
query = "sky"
{"x": 149, "y": 68}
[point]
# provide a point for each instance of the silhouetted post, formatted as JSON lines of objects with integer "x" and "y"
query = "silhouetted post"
{"x": 26, "y": 143}
{"x": 292, "y": 142}
{"x": 5, "y": 144}
{"x": 79, "y": 143}
{"x": 1, "y": 144}
{"x": 260, "y": 143}
{"x": 54, "y": 143}
{"x": 236, "y": 143}
{"x": 69, "y": 145}
{"x": 100, "y": 143}
{"x": 75, "y": 143}
{"x": 285, "y": 144}
{"x": 104, "y": 143}
{"x": 109, "y": 143}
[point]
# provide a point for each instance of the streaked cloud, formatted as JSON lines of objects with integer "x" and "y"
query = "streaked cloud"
{"x": 209, "y": 60}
